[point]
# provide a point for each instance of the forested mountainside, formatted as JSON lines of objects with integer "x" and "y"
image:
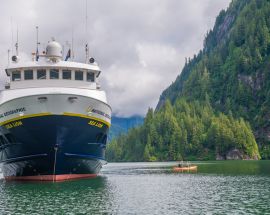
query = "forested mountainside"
{"x": 233, "y": 69}
{"x": 186, "y": 131}
{"x": 226, "y": 88}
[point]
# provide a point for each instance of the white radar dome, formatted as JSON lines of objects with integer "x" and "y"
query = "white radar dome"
{"x": 54, "y": 50}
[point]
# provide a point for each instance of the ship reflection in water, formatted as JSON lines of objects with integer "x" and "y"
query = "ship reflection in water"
{"x": 232, "y": 187}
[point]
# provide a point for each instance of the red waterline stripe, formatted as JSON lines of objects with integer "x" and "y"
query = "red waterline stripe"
{"x": 64, "y": 177}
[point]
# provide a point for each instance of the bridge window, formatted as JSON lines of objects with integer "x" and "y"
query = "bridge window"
{"x": 90, "y": 77}
{"x": 41, "y": 74}
{"x": 54, "y": 74}
{"x": 28, "y": 75}
{"x": 16, "y": 76}
{"x": 79, "y": 75}
{"x": 67, "y": 74}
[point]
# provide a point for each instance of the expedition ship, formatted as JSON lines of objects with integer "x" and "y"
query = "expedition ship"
{"x": 54, "y": 118}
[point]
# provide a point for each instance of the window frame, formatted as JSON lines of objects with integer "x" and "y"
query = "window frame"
{"x": 28, "y": 70}
{"x": 90, "y": 73}
{"x": 77, "y": 72}
{"x": 18, "y": 73}
{"x": 67, "y": 71}
{"x": 45, "y": 76}
{"x": 54, "y": 71}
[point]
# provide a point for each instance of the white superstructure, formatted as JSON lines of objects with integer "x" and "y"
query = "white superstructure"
{"x": 51, "y": 75}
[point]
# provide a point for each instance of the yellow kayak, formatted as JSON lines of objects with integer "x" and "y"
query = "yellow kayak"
{"x": 185, "y": 168}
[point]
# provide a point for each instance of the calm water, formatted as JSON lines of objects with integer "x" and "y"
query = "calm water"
{"x": 232, "y": 187}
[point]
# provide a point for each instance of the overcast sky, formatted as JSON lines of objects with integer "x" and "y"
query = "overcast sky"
{"x": 140, "y": 45}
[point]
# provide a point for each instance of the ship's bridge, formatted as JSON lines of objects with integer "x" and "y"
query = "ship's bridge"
{"x": 52, "y": 71}
{"x": 53, "y": 74}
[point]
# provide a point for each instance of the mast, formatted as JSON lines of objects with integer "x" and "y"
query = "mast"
{"x": 11, "y": 26}
{"x": 17, "y": 43}
{"x": 86, "y": 34}
{"x": 8, "y": 57}
{"x": 72, "y": 38}
{"x": 37, "y": 54}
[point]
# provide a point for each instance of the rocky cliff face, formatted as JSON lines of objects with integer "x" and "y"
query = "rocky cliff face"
{"x": 235, "y": 154}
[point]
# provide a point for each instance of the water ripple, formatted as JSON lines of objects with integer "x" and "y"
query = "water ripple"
{"x": 142, "y": 188}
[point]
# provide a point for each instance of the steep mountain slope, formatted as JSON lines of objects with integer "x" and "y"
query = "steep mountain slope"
{"x": 233, "y": 70}
{"x": 216, "y": 37}
{"x": 220, "y": 100}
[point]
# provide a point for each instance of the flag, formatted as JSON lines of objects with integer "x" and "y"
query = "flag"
{"x": 68, "y": 55}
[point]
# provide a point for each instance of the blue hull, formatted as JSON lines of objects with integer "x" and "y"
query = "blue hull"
{"x": 52, "y": 145}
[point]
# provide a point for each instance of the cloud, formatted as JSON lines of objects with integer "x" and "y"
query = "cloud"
{"x": 140, "y": 45}
{"x": 134, "y": 87}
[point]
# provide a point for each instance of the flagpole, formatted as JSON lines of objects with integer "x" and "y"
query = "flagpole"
{"x": 17, "y": 42}
{"x": 72, "y": 51}
{"x": 86, "y": 34}
{"x": 37, "y": 54}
